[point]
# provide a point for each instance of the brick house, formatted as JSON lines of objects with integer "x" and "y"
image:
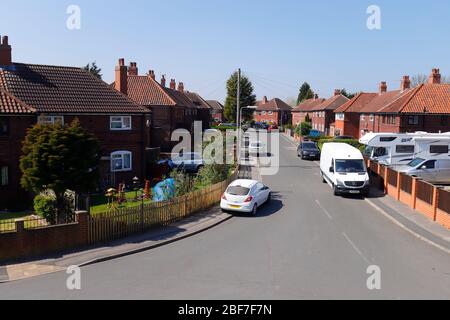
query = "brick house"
{"x": 217, "y": 110}
{"x": 424, "y": 108}
{"x": 322, "y": 115}
{"x": 204, "y": 110}
{"x": 304, "y": 109}
{"x": 170, "y": 106}
{"x": 33, "y": 94}
{"x": 274, "y": 112}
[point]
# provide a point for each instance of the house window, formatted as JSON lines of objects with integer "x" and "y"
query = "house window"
{"x": 405, "y": 149}
{"x": 121, "y": 161}
{"x": 4, "y": 127}
{"x": 372, "y": 118}
{"x": 389, "y": 119}
{"x": 442, "y": 149}
{"x": 51, "y": 120}
{"x": 270, "y": 113}
{"x": 413, "y": 120}
{"x": 444, "y": 121}
{"x": 340, "y": 116}
{"x": 120, "y": 123}
{"x": 4, "y": 176}
{"x": 263, "y": 113}
{"x": 363, "y": 117}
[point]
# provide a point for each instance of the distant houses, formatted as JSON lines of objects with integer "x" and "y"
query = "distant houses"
{"x": 275, "y": 112}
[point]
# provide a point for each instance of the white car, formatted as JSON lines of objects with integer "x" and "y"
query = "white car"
{"x": 245, "y": 196}
{"x": 257, "y": 148}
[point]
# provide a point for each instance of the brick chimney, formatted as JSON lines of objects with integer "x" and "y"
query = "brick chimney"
{"x": 5, "y": 52}
{"x": 122, "y": 77}
{"x": 383, "y": 87}
{"x": 316, "y": 96}
{"x": 264, "y": 100}
{"x": 133, "y": 69}
{"x": 173, "y": 84}
{"x": 151, "y": 74}
{"x": 406, "y": 83}
{"x": 337, "y": 92}
{"x": 163, "y": 81}
{"x": 435, "y": 77}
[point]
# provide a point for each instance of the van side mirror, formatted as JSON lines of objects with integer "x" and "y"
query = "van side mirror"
{"x": 331, "y": 169}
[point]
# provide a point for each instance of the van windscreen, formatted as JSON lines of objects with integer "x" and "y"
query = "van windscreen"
{"x": 350, "y": 166}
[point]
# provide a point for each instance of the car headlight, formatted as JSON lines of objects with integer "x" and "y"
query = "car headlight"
{"x": 340, "y": 183}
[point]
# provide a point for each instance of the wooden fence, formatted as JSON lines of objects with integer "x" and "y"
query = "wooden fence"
{"x": 121, "y": 223}
{"x": 430, "y": 200}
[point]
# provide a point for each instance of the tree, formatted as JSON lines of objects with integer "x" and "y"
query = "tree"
{"x": 348, "y": 95}
{"x": 60, "y": 158}
{"x": 247, "y": 98}
{"x": 418, "y": 80}
{"x": 93, "y": 69}
{"x": 305, "y": 93}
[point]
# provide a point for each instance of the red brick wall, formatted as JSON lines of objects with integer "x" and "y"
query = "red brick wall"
{"x": 34, "y": 243}
{"x": 267, "y": 118}
{"x": 298, "y": 118}
{"x": 349, "y": 127}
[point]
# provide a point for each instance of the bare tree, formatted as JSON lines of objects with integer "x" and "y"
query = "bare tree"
{"x": 418, "y": 80}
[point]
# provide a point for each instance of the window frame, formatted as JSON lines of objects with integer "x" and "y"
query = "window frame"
{"x": 122, "y": 154}
{"x": 122, "y": 118}
{"x": 413, "y": 120}
{"x": 52, "y": 120}
{"x": 6, "y": 124}
{"x": 3, "y": 178}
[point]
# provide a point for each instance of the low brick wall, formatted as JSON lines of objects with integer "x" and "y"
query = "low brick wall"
{"x": 25, "y": 243}
{"x": 443, "y": 218}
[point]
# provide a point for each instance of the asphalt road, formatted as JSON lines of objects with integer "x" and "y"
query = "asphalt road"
{"x": 306, "y": 244}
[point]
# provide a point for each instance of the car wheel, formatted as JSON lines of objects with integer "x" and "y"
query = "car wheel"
{"x": 255, "y": 210}
{"x": 269, "y": 197}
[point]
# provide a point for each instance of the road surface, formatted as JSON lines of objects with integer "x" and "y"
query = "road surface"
{"x": 306, "y": 244}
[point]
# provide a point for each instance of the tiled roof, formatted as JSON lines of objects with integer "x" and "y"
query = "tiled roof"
{"x": 198, "y": 100}
{"x": 308, "y": 105}
{"x": 56, "y": 89}
{"x": 180, "y": 98}
{"x": 146, "y": 91}
{"x": 275, "y": 105}
{"x": 357, "y": 103}
{"x": 331, "y": 104}
{"x": 216, "y": 105}
{"x": 428, "y": 98}
{"x": 11, "y": 105}
{"x": 380, "y": 101}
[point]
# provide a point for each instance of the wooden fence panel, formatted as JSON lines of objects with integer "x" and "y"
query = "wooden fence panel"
{"x": 425, "y": 191}
{"x": 406, "y": 183}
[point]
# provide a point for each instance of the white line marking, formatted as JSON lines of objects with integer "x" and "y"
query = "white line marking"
{"x": 401, "y": 225}
{"x": 356, "y": 248}
{"x": 324, "y": 210}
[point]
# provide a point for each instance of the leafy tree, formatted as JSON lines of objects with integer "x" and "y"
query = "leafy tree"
{"x": 305, "y": 93}
{"x": 305, "y": 129}
{"x": 93, "y": 69}
{"x": 247, "y": 98}
{"x": 211, "y": 174}
{"x": 60, "y": 158}
{"x": 346, "y": 94}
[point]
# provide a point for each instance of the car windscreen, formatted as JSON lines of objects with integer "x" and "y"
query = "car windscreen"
{"x": 414, "y": 163}
{"x": 238, "y": 191}
{"x": 350, "y": 166}
{"x": 309, "y": 146}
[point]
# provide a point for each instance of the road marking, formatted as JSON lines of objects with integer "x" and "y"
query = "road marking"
{"x": 401, "y": 225}
{"x": 356, "y": 248}
{"x": 324, "y": 210}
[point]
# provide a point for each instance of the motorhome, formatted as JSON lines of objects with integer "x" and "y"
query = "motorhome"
{"x": 394, "y": 149}
{"x": 343, "y": 168}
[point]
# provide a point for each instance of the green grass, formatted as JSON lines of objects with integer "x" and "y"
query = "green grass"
{"x": 99, "y": 203}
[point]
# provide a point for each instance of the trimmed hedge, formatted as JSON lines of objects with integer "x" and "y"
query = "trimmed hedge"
{"x": 353, "y": 142}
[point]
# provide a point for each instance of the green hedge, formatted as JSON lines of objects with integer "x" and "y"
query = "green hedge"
{"x": 353, "y": 142}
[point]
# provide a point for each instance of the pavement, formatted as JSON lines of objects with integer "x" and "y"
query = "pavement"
{"x": 304, "y": 244}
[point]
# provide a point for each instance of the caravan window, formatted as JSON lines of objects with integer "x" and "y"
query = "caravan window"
{"x": 404, "y": 149}
{"x": 380, "y": 152}
{"x": 387, "y": 139}
{"x": 439, "y": 149}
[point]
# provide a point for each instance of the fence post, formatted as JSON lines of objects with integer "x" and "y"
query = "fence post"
{"x": 414, "y": 193}
{"x": 141, "y": 217}
{"x": 386, "y": 179}
{"x": 399, "y": 183}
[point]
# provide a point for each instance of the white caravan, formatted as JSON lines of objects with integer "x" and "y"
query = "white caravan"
{"x": 395, "y": 149}
{"x": 343, "y": 168}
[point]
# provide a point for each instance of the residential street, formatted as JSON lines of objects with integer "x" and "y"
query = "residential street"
{"x": 306, "y": 244}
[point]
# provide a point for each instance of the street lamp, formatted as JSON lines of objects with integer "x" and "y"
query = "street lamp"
{"x": 136, "y": 187}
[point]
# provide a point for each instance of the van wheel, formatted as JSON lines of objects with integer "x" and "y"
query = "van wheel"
{"x": 335, "y": 191}
{"x": 323, "y": 178}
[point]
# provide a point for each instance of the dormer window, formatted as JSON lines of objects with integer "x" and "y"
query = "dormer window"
{"x": 120, "y": 123}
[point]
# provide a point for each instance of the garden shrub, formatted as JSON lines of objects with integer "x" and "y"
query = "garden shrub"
{"x": 45, "y": 207}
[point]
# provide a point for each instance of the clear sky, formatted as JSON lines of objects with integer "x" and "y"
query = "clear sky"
{"x": 278, "y": 44}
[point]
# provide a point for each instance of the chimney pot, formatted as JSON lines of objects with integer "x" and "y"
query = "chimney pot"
{"x": 5, "y": 52}
{"x": 383, "y": 87}
{"x": 133, "y": 69}
{"x": 337, "y": 92}
{"x": 265, "y": 100}
{"x": 406, "y": 83}
{"x": 121, "y": 83}
{"x": 435, "y": 77}
{"x": 5, "y": 41}
{"x": 173, "y": 84}
{"x": 163, "y": 81}
{"x": 316, "y": 96}
{"x": 151, "y": 74}
{"x": 181, "y": 87}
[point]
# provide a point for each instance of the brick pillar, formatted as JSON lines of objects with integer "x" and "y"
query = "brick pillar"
{"x": 435, "y": 202}
{"x": 414, "y": 193}
{"x": 20, "y": 226}
{"x": 385, "y": 180}
{"x": 82, "y": 217}
{"x": 399, "y": 182}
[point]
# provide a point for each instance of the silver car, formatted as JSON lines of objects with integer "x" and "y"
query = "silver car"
{"x": 431, "y": 170}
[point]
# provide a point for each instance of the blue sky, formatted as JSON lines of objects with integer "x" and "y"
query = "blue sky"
{"x": 278, "y": 44}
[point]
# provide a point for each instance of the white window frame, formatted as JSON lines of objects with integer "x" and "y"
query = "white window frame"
{"x": 372, "y": 118}
{"x": 264, "y": 113}
{"x": 122, "y": 154}
{"x": 4, "y": 176}
{"x": 340, "y": 116}
{"x": 270, "y": 113}
{"x": 50, "y": 119}
{"x": 114, "y": 119}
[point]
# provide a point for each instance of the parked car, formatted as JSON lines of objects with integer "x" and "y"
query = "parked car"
{"x": 257, "y": 148}
{"x": 189, "y": 162}
{"x": 431, "y": 170}
{"x": 308, "y": 150}
{"x": 343, "y": 168}
{"x": 245, "y": 196}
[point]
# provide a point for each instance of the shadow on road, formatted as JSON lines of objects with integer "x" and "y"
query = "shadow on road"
{"x": 266, "y": 210}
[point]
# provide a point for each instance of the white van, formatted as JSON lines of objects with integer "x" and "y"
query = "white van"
{"x": 343, "y": 168}
{"x": 430, "y": 170}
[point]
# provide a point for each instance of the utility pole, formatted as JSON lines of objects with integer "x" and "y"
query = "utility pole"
{"x": 238, "y": 114}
